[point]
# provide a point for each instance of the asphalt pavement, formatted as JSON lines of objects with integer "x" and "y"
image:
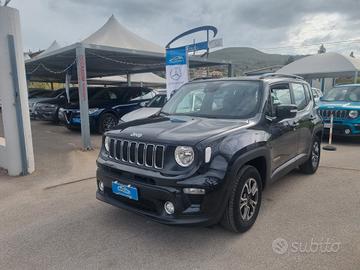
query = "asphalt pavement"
{"x": 51, "y": 219}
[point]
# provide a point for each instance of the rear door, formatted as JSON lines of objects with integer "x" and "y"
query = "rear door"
{"x": 283, "y": 132}
{"x": 303, "y": 120}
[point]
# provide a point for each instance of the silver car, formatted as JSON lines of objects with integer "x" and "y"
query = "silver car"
{"x": 152, "y": 107}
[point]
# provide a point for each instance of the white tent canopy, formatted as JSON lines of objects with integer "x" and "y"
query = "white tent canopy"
{"x": 53, "y": 47}
{"x": 113, "y": 34}
{"x": 326, "y": 65}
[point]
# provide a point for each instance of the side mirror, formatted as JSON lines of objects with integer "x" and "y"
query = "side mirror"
{"x": 286, "y": 111}
{"x": 321, "y": 98}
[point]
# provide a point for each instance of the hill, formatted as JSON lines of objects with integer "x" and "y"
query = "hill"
{"x": 245, "y": 59}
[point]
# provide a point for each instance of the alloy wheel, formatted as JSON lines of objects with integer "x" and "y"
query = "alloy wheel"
{"x": 249, "y": 199}
{"x": 109, "y": 123}
{"x": 315, "y": 154}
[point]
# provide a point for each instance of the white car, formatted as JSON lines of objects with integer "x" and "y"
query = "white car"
{"x": 150, "y": 108}
{"x": 317, "y": 94}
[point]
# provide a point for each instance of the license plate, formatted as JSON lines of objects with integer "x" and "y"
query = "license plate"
{"x": 327, "y": 125}
{"x": 75, "y": 120}
{"x": 125, "y": 190}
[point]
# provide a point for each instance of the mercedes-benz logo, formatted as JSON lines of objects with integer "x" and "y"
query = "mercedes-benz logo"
{"x": 175, "y": 73}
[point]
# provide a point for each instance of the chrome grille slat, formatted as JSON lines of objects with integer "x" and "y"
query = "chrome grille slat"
{"x": 133, "y": 152}
{"x": 338, "y": 114}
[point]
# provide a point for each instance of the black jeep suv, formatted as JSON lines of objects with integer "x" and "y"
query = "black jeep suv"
{"x": 212, "y": 149}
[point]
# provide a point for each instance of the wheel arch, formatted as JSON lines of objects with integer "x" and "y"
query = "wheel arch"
{"x": 258, "y": 158}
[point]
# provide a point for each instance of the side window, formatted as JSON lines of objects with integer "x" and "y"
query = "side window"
{"x": 308, "y": 93}
{"x": 280, "y": 94}
{"x": 299, "y": 96}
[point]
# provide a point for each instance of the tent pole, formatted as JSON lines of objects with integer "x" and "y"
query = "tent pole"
{"x": 322, "y": 84}
{"x": 83, "y": 96}
{"x": 230, "y": 70}
{"x": 356, "y": 77}
{"x": 128, "y": 79}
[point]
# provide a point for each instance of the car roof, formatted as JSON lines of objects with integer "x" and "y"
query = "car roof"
{"x": 349, "y": 84}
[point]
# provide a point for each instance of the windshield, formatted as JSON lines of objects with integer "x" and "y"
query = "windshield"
{"x": 157, "y": 101}
{"x": 216, "y": 99}
{"x": 51, "y": 93}
{"x": 343, "y": 93}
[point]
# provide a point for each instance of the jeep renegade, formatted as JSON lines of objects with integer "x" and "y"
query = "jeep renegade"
{"x": 208, "y": 154}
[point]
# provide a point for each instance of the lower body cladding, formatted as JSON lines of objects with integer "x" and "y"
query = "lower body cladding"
{"x": 170, "y": 204}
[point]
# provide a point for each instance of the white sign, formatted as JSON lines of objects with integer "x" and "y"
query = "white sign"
{"x": 218, "y": 42}
{"x": 177, "y": 69}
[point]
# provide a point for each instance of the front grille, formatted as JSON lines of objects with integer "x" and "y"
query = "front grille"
{"x": 138, "y": 153}
{"x": 338, "y": 114}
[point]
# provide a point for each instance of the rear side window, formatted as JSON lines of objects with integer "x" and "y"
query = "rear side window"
{"x": 299, "y": 95}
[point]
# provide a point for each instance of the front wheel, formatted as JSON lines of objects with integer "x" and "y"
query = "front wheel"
{"x": 107, "y": 121}
{"x": 312, "y": 164}
{"x": 244, "y": 202}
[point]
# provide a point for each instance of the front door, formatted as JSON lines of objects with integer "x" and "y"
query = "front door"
{"x": 284, "y": 142}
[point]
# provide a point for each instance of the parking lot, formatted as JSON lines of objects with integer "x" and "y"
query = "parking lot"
{"x": 51, "y": 219}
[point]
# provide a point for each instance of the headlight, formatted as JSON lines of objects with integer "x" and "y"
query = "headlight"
{"x": 107, "y": 143}
{"x": 93, "y": 110}
{"x": 184, "y": 156}
{"x": 353, "y": 114}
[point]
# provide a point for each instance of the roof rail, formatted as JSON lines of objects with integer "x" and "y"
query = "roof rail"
{"x": 203, "y": 78}
{"x": 268, "y": 75}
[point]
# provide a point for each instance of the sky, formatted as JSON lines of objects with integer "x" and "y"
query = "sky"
{"x": 282, "y": 26}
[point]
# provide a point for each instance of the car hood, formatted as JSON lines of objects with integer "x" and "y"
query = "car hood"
{"x": 345, "y": 105}
{"x": 35, "y": 100}
{"x": 170, "y": 129}
{"x": 140, "y": 114}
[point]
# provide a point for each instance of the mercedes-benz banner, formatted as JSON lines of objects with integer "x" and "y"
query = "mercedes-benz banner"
{"x": 177, "y": 69}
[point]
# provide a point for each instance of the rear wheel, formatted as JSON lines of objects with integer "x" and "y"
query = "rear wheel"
{"x": 312, "y": 164}
{"x": 244, "y": 202}
{"x": 107, "y": 121}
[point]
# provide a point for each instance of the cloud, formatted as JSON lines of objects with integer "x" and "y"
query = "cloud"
{"x": 257, "y": 23}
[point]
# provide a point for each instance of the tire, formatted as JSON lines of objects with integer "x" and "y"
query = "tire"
{"x": 107, "y": 121}
{"x": 312, "y": 164}
{"x": 235, "y": 217}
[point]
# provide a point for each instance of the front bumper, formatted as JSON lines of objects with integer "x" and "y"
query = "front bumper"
{"x": 47, "y": 115}
{"x": 343, "y": 128}
{"x": 71, "y": 119}
{"x": 202, "y": 210}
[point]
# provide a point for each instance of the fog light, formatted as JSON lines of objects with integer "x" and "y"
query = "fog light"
{"x": 194, "y": 191}
{"x": 347, "y": 131}
{"x": 169, "y": 208}
{"x": 101, "y": 186}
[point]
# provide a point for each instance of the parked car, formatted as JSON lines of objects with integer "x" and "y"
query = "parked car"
{"x": 149, "y": 109}
{"x": 48, "y": 109}
{"x": 35, "y": 92}
{"x": 213, "y": 148}
{"x": 106, "y": 107}
{"x": 317, "y": 94}
{"x": 48, "y": 95}
{"x": 343, "y": 102}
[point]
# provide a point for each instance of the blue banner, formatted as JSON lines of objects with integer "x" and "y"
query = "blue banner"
{"x": 198, "y": 46}
{"x": 176, "y": 56}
